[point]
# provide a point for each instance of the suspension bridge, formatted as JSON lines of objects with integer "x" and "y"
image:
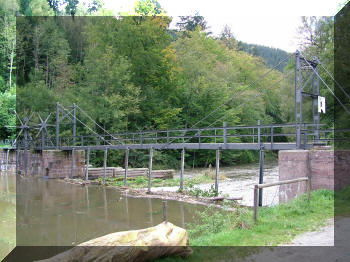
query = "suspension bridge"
{"x": 47, "y": 133}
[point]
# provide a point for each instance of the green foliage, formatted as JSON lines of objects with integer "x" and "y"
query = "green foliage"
{"x": 148, "y": 7}
{"x": 7, "y": 116}
{"x": 272, "y": 56}
{"x": 197, "y": 192}
{"x": 132, "y": 74}
{"x": 192, "y": 23}
{"x": 213, "y": 221}
{"x": 276, "y": 225}
{"x": 141, "y": 182}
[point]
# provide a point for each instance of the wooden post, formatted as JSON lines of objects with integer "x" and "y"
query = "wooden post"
{"x": 126, "y": 165}
{"x": 42, "y": 139}
{"x": 57, "y": 125}
{"x": 150, "y": 169}
{"x": 17, "y": 159}
{"x": 87, "y": 165}
{"x": 25, "y": 153}
{"x": 42, "y": 163}
{"x": 72, "y": 167}
{"x": 271, "y": 137}
{"x": 7, "y": 159}
{"x": 225, "y": 133}
{"x": 165, "y": 216}
{"x": 256, "y": 196}
{"x": 261, "y": 174}
{"x": 150, "y": 210}
{"x": 182, "y": 169}
{"x": 308, "y": 189}
{"x": 74, "y": 124}
{"x": 259, "y": 139}
{"x": 104, "y": 166}
{"x": 217, "y": 170}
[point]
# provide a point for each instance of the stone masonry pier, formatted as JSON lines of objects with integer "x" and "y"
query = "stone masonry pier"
{"x": 325, "y": 168}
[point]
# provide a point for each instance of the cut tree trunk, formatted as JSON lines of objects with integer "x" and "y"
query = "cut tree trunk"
{"x": 146, "y": 244}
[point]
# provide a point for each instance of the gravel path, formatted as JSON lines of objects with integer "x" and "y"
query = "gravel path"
{"x": 314, "y": 248}
{"x": 322, "y": 237}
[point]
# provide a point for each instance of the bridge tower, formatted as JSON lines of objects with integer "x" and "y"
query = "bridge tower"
{"x": 306, "y": 84}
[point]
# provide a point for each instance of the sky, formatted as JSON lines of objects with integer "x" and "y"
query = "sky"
{"x": 271, "y": 23}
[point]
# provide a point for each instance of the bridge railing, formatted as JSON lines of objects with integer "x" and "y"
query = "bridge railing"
{"x": 237, "y": 134}
{"x": 276, "y": 133}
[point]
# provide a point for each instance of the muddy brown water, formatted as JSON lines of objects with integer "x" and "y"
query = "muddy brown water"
{"x": 54, "y": 213}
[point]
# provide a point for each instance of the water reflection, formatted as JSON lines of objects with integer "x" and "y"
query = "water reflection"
{"x": 7, "y": 212}
{"x": 51, "y": 212}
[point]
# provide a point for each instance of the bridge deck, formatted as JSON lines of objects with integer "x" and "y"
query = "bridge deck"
{"x": 230, "y": 146}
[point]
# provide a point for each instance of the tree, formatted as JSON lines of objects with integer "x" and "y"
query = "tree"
{"x": 226, "y": 36}
{"x": 71, "y": 7}
{"x": 148, "y": 7}
{"x": 190, "y": 23}
{"x": 8, "y": 11}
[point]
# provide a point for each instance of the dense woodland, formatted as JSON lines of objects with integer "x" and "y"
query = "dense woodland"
{"x": 133, "y": 72}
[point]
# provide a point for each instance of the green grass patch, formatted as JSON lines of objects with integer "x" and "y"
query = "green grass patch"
{"x": 141, "y": 181}
{"x": 275, "y": 225}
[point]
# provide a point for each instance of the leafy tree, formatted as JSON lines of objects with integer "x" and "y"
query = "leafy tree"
{"x": 226, "y": 36}
{"x": 148, "y": 7}
{"x": 191, "y": 23}
{"x": 7, "y": 42}
{"x": 7, "y": 116}
{"x": 71, "y": 7}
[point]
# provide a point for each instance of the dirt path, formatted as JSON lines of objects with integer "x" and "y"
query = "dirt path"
{"x": 315, "y": 252}
{"x": 322, "y": 237}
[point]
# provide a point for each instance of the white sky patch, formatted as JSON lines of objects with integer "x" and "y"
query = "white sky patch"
{"x": 271, "y": 23}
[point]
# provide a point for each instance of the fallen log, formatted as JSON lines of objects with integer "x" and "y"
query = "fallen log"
{"x": 227, "y": 198}
{"x": 146, "y": 244}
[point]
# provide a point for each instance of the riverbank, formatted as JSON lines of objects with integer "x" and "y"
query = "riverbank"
{"x": 278, "y": 225}
{"x": 234, "y": 182}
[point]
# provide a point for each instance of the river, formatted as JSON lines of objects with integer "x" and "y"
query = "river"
{"x": 54, "y": 213}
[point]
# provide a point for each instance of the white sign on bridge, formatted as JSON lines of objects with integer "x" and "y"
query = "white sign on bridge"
{"x": 321, "y": 104}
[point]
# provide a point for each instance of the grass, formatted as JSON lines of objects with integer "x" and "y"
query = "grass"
{"x": 141, "y": 182}
{"x": 275, "y": 225}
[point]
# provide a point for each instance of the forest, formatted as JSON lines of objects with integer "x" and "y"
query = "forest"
{"x": 133, "y": 72}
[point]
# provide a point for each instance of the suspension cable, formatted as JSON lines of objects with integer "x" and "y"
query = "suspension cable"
{"x": 235, "y": 95}
{"x": 266, "y": 89}
{"x": 84, "y": 124}
{"x": 346, "y": 109}
{"x": 250, "y": 85}
{"x": 347, "y": 95}
{"x": 240, "y": 105}
{"x": 98, "y": 124}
